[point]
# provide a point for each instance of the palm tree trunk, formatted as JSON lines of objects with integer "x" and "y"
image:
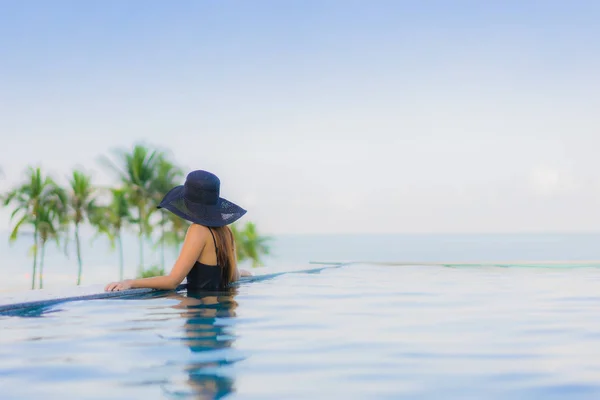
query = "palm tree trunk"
{"x": 120, "y": 256}
{"x": 78, "y": 245}
{"x": 35, "y": 248}
{"x": 42, "y": 265}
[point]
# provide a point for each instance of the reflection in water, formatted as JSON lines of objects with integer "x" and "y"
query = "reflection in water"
{"x": 206, "y": 330}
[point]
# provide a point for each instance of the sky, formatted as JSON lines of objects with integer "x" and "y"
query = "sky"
{"x": 321, "y": 116}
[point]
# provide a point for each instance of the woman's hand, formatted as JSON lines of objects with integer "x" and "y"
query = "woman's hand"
{"x": 118, "y": 286}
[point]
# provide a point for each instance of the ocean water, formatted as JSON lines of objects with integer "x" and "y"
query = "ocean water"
{"x": 360, "y": 331}
{"x": 297, "y": 251}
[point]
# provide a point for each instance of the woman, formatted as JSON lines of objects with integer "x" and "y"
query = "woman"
{"x": 207, "y": 256}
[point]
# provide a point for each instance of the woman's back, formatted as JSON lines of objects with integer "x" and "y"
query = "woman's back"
{"x": 207, "y": 274}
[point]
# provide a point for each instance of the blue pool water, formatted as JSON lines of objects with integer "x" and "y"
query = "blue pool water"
{"x": 360, "y": 331}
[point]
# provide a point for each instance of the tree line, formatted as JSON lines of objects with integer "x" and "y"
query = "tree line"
{"x": 55, "y": 213}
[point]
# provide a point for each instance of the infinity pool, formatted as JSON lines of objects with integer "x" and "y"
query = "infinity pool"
{"x": 354, "y": 332}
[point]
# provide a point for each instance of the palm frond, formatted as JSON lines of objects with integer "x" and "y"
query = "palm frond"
{"x": 15, "y": 231}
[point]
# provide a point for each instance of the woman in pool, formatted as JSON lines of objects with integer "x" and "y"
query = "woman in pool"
{"x": 207, "y": 256}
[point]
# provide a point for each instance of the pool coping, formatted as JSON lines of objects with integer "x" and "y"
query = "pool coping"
{"x": 7, "y": 309}
{"x": 19, "y": 307}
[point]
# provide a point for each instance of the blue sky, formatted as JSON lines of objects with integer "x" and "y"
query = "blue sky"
{"x": 322, "y": 116}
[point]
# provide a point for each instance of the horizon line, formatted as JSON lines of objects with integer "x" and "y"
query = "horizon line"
{"x": 417, "y": 233}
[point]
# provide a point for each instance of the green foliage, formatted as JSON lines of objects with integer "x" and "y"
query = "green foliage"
{"x": 167, "y": 176}
{"x": 44, "y": 210}
{"x": 51, "y": 220}
{"x": 155, "y": 270}
{"x": 250, "y": 245}
{"x": 175, "y": 230}
{"x": 137, "y": 171}
{"x": 111, "y": 219}
{"x": 40, "y": 204}
{"x": 81, "y": 208}
{"x": 81, "y": 197}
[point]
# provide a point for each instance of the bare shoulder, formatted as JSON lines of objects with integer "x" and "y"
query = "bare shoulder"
{"x": 197, "y": 230}
{"x": 196, "y": 234}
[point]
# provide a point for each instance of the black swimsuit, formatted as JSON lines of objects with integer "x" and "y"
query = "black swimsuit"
{"x": 206, "y": 277}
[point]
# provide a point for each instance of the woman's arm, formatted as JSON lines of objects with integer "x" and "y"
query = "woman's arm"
{"x": 195, "y": 240}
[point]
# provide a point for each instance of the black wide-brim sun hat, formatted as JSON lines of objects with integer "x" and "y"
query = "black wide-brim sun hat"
{"x": 198, "y": 200}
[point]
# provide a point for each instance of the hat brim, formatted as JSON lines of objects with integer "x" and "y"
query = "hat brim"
{"x": 224, "y": 212}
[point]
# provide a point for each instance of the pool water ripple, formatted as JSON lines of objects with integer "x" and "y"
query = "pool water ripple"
{"x": 361, "y": 331}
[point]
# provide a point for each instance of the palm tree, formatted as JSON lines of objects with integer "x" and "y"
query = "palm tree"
{"x": 177, "y": 229}
{"x": 51, "y": 220}
{"x": 250, "y": 244}
{"x": 81, "y": 203}
{"x": 165, "y": 179}
{"x": 137, "y": 172}
{"x": 111, "y": 219}
{"x": 29, "y": 200}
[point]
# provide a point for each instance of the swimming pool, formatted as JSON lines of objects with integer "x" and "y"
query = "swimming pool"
{"x": 358, "y": 331}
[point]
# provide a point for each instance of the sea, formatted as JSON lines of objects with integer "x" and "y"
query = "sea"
{"x": 297, "y": 251}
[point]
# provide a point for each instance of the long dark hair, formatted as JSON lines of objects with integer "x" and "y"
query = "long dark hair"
{"x": 226, "y": 255}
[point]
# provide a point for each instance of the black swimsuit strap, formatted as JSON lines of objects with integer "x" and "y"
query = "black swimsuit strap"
{"x": 215, "y": 242}
{"x": 217, "y": 254}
